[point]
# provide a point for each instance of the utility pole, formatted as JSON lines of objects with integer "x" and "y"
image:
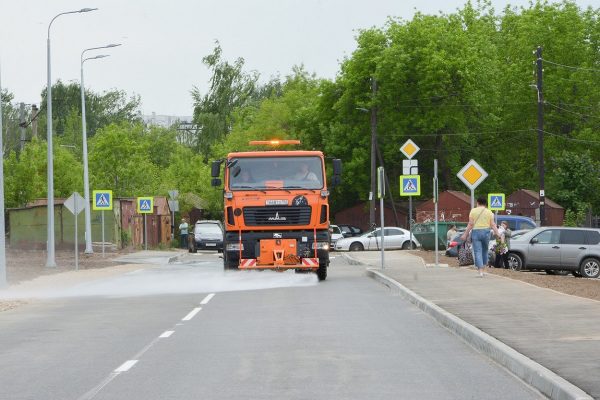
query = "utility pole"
{"x": 388, "y": 188}
{"x": 22, "y": 124}
{"x": 373, "y": 152}
{"x": 34, "y": 122}
{"x": 540, "y": 129}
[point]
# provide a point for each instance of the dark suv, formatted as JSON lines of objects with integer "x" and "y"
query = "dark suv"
{"x": 207, "y": 235}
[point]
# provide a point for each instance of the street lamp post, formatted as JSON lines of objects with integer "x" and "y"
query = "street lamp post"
{"x": 51, "y": 260}
{"x": 86, "y": 180}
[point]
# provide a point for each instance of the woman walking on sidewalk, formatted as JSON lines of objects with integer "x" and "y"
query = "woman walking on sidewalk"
{"x": 481, "y": 220}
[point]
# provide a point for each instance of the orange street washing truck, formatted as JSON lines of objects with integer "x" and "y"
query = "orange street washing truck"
{"x": 276, "y": 209}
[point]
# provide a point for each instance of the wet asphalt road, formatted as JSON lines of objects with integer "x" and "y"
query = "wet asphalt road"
{"x": 189, "y": 331}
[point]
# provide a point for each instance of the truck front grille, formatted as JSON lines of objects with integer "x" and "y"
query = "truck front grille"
{"x": 261, "y": 216}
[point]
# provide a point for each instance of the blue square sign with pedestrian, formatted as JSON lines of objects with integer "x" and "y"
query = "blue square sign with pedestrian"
{"x": 496, "y": 201}
{"x": 410, "y": 185}
{"x": 102, "y": 200}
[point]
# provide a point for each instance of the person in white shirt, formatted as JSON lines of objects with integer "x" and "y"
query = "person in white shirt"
{"x": 305, "y": 174}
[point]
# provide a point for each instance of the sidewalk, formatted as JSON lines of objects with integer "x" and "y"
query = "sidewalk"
{"x": 150, "y": 257}
{"x": 558, "y": 331}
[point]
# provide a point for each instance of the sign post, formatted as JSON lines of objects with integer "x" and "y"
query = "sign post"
{"x": 472, "y": 174}
{"x": 410, "y": 185}
{"x": 381, "y": 195}
{"x": 145, "y": 205}
{"x": 73, "y": 204}
{"x": 174, "y": 206}
{"x": 435, "y": 202}
{"x": 410, "y": 167}
{"x": 103, "y": 200}
{"x": 496, "y": 202}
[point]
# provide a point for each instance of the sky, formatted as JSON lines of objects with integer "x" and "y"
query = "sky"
{"x": 163, "y": 41}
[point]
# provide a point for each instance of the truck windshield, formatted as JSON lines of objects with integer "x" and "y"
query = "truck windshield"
{"x": 276, "y": 173}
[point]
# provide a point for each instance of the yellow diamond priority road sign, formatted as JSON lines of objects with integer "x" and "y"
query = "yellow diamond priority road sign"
{"x": 472, "y": 174}
{"x": 409, "y": 149}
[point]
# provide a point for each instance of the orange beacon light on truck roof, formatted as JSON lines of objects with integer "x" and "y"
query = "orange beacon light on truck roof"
{"x": 273, "y": 142}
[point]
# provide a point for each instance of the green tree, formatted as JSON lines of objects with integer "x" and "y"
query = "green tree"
{"x": 230, "y": 88}
{"x": 112, "y": 106}
{"x": 26, "y": 176}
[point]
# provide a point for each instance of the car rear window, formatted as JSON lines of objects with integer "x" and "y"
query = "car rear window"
{"x": 572, "y": 236}
{"x": 593, "y": 237}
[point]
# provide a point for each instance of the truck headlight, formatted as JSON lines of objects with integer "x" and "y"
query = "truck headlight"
{"x": 320, "y": 246}
{"x": 233, "y": 247}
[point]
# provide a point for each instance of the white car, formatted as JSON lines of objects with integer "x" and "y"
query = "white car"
{"x": 395, "y": 238}
{"x": 336, "y": 234}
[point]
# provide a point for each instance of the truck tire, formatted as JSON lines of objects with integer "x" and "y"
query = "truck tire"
{"x": 322, "y": 271}
{"x": 229, "y": 264}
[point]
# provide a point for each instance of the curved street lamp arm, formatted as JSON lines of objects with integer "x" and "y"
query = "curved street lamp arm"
{"x": 99, "y": 47}
{"x": 68, "y": 12}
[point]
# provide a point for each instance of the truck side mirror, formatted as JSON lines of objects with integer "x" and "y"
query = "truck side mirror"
{"x": 215, "y": 169}
{"x": 214, "y": 182}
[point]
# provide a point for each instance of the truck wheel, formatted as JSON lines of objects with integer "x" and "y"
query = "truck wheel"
{"x": 322, "y": 271}
{"x": 228, "y": 263}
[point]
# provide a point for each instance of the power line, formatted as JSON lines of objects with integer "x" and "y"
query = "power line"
{"x": 571, "y": 67}
{"x": 470, "y": 133}
{"x": 573, "y": 139}
{"x": 572, "y": 112}
{"x": 467, "y": 105}
{"x": 579, "y": 106}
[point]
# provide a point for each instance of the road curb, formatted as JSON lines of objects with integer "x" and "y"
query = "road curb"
{"x": 532, "y": 373}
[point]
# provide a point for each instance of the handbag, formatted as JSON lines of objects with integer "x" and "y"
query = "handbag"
{"x": 465, "y": 254}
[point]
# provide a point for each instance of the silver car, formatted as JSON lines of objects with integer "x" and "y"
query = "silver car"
{"x": 557, "y": 248}
{"x": 395, "y": 238}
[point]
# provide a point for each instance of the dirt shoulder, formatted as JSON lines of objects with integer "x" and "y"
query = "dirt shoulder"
{"x": 568, "y": 284}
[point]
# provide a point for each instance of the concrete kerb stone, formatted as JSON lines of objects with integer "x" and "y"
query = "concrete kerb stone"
{"x": 532, "y": 373}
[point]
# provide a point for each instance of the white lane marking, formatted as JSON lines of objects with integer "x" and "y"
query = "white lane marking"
{"x": 207, "y": 298}
{"x": 166, "y": 334}
{"x": 123, "y": 368}
{"x": 191, "y": 314}
{"x": 126, "y": 366}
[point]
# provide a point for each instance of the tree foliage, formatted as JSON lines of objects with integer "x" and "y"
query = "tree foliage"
{"x": 462, "y": 85}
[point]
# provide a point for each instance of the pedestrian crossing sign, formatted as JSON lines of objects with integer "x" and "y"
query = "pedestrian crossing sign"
{"x": 102, "y": 200}
{"x": 496, "y": 201}
{"x": 145, "y": 205}
{"x": 410, "y": 185}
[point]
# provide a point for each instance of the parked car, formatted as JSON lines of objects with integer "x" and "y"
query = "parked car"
{"x": 516, "y": 222}
{"x": 395, "y": 238}
{"x": 557, "y": 249}
{"x": 207, "y": 235}
{"x": 335, "y": 233}
{"x": 350, "y": 230}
